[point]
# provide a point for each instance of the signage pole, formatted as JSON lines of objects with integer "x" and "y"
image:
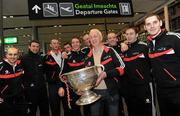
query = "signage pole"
{"x": 1, "y": 31}
{"x": 105, "y": 24}
{"x": 35, "y": 33}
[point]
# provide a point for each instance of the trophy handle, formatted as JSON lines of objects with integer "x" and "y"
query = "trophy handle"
{"x": 63, "y": 78}
{"x": 101, "y": 66}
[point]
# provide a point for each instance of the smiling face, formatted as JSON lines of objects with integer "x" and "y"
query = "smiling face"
{"x": 86, "y": 40}
{"x": 75, "y": 43}
{"x": 12, "y": 55}
{"x": 131, "y": 35}
{"x": 54, "y": 44}
{"x": 95, "y": 37}
{"x": 34, "y": 47}
{"x": 153, "y": 25}
{"x": 112, "y": 39}
{"x": 67, "y": 48}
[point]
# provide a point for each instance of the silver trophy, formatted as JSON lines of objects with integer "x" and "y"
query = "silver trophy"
{"x": 83, "y": 80}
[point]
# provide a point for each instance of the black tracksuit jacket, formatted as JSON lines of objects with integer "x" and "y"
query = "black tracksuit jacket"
{"x": 10, "y": 79}
{"x": 164, "y": 52}
{"x": 33, "y": 70}
{"x": 74, "y": 61}
{"x": 113, "y": 66}
{"x": 137, "y": 63}
{"x": 52, "y": 69}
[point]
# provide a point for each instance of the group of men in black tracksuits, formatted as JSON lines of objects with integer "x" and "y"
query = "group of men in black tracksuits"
{"x": 23, "y": 87}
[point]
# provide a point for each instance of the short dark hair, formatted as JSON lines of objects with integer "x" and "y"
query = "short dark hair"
{"x": 67, "y": 43}
{"x": 55, "y": 39}
{"x": 33, "y": 41}
{"x": 132, "y": 27}
{"x": 150, "y": 15}
{"x": 77, "y": 37}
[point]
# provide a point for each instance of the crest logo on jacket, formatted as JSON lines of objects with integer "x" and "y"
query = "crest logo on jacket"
{"x": 161, "y": 49}
{"x": 135, "y": 53}
{"x": 7, "y": 72}
{"x": 89, "y": 63}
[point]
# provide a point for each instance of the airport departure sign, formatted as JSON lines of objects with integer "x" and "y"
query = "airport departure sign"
{"x": 45, "y": 9}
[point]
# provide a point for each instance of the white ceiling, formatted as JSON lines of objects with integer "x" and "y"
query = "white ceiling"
{"x": 68, "y": 27}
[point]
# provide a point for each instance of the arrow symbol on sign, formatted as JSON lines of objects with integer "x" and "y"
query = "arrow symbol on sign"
{"x": 36, "y": 8}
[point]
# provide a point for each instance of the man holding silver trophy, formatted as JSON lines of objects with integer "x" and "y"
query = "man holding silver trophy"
{"x": 104, "y": 65}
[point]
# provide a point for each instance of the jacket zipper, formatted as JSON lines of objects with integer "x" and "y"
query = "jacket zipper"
{"x": 169, "y": 74}
{"x": 53, "y": 74}
{"x": 4, "y": 89}
{"x": 139, "y": 74}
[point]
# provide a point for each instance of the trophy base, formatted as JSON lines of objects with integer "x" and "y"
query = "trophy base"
{"x": 88, "y": 97}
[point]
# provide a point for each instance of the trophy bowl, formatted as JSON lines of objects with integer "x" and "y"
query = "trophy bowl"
{"x": 83, "y": 80}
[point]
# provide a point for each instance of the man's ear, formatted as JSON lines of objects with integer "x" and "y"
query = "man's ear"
{"x": 137, "y": 35}
{"x": 145, "y": 28}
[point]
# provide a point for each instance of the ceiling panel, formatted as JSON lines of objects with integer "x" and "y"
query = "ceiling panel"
{"x": 50, "y": 28}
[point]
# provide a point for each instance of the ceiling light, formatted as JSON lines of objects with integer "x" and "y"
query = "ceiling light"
{"x": 16, "y": 28}
{"x": 4, "y": 17}
{"x": 11, "y": 16}
{"x": 55, "y": 26}
{"x": 60, "y": 25}
{"x": 21, "y": 28}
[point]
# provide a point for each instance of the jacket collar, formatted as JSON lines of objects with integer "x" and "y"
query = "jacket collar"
{"x": 150, "y": 38}
{"x": 106, "y": 49}
{"x": 49, "y": 52}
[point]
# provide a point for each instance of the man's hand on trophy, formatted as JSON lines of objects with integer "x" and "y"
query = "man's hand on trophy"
{"x": 61, "y": 91}
{"x": 101, "y": 76}
{"x": 79, "y": 92}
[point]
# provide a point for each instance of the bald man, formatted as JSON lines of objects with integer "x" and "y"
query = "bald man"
{"x": 11, "y": 89}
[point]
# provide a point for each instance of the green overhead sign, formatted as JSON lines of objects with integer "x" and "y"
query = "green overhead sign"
{"x": 41, "y": 9}
{"x": 10, "y": 40}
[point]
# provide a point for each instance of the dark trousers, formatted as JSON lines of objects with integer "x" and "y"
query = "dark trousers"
{"x": 55, "y": 100}
{"x": 37, "y": 96}
{"x": 121, "y": 108}
{"x": 137, "y": 107}
{"x": 107, "y": 105}
{"x": 75, "y": 109}
{"x": 86, "y": 110}
{"x": 169, "y": 101}
{"x": 138, "y": 100}
{"x": 14, "y": 106}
